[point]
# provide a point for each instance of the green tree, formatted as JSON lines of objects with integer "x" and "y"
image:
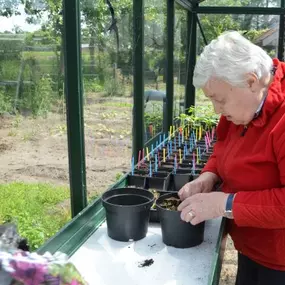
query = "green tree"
{"x": 9, "y": 8}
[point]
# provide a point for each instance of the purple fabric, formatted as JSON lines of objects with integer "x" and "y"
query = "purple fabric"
{"x": 32, "y": 269}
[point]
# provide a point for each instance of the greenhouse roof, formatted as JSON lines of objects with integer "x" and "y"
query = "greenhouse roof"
{"x": 209, "y": 8}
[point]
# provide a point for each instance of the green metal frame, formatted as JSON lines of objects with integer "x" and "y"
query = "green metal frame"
{"x": 169, "y": 64}
{"x": 201, "y": 30}
{"x": 191, "y": 60}
{"x": 138, "y": 49}
{"x": 184, "y": 4}
{"x": 74, "y": 105}
{"x": 218, "y": 255}
{"x": 281, "y": 33}
{"x": 239, "y": 10}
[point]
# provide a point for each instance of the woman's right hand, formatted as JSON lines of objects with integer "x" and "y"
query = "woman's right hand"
{"x": 203, "y": 184}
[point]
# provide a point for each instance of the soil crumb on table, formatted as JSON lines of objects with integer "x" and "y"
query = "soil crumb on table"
{"x": 147, "y": 262}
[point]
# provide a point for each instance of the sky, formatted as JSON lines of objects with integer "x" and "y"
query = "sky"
{"x": 7, "y": 24}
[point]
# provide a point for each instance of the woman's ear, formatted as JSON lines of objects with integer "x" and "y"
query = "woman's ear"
{"x": 252, "y": 82}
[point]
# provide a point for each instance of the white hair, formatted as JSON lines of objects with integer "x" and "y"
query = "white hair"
{"x": 229, "y": 58}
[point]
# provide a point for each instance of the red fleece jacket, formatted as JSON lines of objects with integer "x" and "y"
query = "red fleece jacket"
{"x": 253, "y": 166}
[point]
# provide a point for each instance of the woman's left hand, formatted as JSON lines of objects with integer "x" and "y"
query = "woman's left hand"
{"x": 203, "y": 206}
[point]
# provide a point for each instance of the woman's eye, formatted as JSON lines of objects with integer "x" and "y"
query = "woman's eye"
{"x": 221, "y": 101}
{"x": 218, "y": 101}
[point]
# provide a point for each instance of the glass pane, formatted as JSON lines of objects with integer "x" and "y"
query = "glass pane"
{"x": 34, "y": 178}
{"x": 262, "y": 30}
{"x": 243, "y": 3}
{"x": 154, "y": 73}
{"x": 180, "y": 51}
{"x": 108, "y": 102}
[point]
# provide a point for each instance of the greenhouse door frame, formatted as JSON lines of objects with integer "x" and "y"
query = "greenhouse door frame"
{"x": 73, "y": 77}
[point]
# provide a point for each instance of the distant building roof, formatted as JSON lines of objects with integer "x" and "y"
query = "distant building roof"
{"x": 268, "y": 38}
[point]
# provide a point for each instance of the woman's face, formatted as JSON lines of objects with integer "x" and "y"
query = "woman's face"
{"x": 238, "y": 105}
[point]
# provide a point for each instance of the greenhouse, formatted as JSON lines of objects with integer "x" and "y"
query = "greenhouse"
{"x": 97, "y": 97}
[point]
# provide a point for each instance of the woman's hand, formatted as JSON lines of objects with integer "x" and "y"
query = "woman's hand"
{"x": 203, "y": 206}
{"x": 203, "y": 184}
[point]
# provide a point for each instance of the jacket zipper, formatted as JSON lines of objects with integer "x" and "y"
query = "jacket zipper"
{"x": 230, "y": 149}
{"x": 244, "y": 131}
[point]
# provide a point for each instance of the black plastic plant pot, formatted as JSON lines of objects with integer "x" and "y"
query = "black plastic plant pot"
{"x": 138, "y": 179}
{"x": 185, "y": 165}
{"x": 183, "y": 170}
{"x": 201, "y": 164}
{"x": 154, "y": 218}
{"x": 127, "y": 213}
{"x": 166, "y": 165}
{"x": 144, "y": 166}
{"x": 210, "y": 148}
{"x": 171, "y": 160}
{"x": 166, "y": 168}
{"x": 176, "y": 151}
{"x": 189, "y": 159}
{"x": 180, "y": 178}
{"x": 159, "y": 180}
{"x": 197, "y": 171}
{"x": 206, "y": 156}
{"x": 168, "y": 160}
{"x": 176, "y": 232}
{"x": 140, "y": 172}
{"x": 186, "y": 169}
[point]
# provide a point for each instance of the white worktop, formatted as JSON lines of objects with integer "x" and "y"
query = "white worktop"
{"x": 103, "y": 261}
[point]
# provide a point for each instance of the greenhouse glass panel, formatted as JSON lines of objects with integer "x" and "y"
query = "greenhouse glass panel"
{"x": 107, "y": 78}
{"x": 34, "y": 179}
{"x": 154, "y": 69}
{"x": 180, "y": 52}
{"x": 263, "y": 30}
{"x": 242, "y": 3}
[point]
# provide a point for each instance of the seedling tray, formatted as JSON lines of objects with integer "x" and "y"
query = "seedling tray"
{"x": 159, "y": 180}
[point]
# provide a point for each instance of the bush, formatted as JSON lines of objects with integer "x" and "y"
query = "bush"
{"x": 155, "y": 118}
{"x": 92, "y": 85}
{"x": 34, "y": 208}
{"x": 6, "y": 104}
{"x": 9, "y": 69}
{"x": 39, "y": 99}
{"x": 11, "y": 48}
{"x": 113, "y": 85}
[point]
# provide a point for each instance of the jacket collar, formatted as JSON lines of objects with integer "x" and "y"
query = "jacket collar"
{"x": 275, "y": 96}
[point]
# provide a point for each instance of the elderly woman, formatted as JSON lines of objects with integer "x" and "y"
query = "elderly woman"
{"x": 247, "y": 88}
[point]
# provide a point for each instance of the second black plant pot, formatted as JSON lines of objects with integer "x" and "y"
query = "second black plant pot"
{"x": 180, "y": 178}
{"x": 138, "y": 179}
{"x": 127, "y": 213}
{"x": 159, "y": 180}
{"x": 154, "y": 218}
{"x": 176, "y": 232}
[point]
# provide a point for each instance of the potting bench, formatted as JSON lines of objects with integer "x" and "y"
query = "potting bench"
{"x": 104, "y": 261}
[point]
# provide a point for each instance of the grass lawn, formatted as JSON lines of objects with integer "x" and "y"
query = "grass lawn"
{"x": 35, "y": 208}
